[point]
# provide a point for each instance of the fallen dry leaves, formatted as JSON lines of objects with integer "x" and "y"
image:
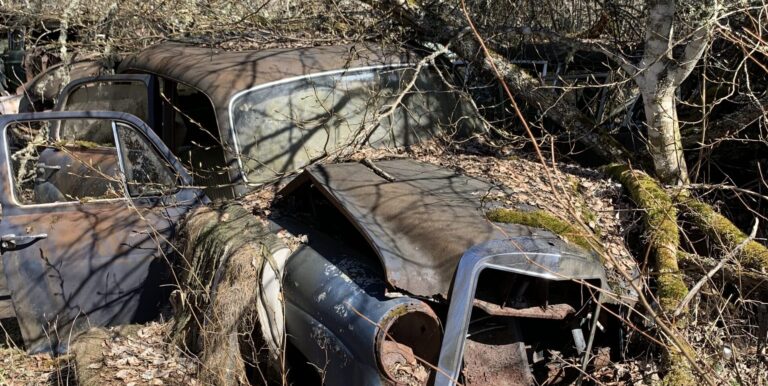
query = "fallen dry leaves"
{"x": 19, "y": 368}
{"x": 143, "y": 358}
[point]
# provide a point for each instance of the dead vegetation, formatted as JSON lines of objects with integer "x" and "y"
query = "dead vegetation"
{"x": 19, "y": 368}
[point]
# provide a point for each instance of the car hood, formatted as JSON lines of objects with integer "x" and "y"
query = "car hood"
{"x": 420, "y": 219}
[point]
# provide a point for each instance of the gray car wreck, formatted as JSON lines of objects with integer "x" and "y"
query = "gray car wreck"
{"x": 402, "y": 280}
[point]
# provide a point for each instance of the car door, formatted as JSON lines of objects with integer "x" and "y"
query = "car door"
{"x": 90, "y": 203}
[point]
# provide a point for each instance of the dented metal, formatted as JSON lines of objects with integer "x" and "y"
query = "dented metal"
{"x": 427, "y": 228}
{"x": 419, "y": 224}
{"x": 338, "y": 316}
{"x": 357, "y": 313}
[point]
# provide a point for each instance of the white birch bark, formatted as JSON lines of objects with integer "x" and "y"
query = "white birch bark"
{"x": 661, "y": 72}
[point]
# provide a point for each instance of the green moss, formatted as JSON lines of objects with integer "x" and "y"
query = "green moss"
{"x": 660, "y": 213}
{"x": 660, "y": 217}
{"x": 719, "y": 229}
{"x": 544, "y": 220}
{"x": 573, "y": 183}
{"x": 670, "y": 289}
{"x": 679, "y": 371}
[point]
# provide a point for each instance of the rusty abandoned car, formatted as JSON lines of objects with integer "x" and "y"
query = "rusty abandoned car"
{"x": 400, "y": 266}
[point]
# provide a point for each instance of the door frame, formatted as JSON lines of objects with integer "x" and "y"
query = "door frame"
{"x": 154, "y": 116}
{"x": 33, "y": 308}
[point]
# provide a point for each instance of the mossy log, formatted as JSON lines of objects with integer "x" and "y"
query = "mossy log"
{"x": 719, "y": 229}
{"x": 663, "y": 238}
{"x": 660, "y": 217}
{"x": 219, "y": 286}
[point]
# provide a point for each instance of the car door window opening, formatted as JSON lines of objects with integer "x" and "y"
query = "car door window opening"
{"x": 78, "y": 161}
{"x": 190, "y": 130}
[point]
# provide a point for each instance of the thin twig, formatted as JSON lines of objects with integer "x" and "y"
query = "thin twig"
{"x": 696, "y": 288}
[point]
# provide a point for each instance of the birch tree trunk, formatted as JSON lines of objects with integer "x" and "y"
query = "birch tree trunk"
{"x": 677, "y": 33}
{"x": 664, "y": 142}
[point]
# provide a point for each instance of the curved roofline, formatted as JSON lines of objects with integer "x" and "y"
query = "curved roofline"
{"x": 222, "y": 74}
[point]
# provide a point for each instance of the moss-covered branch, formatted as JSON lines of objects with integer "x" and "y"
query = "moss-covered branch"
{"x": 660, "y": 218}
{"x": 721, "y": 230}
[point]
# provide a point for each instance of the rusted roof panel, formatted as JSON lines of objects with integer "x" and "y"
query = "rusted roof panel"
{"x": 221, "y": 74}
{"x": 419, "y": 224}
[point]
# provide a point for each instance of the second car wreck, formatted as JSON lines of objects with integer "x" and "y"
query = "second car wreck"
{"x": 401, "y": 278}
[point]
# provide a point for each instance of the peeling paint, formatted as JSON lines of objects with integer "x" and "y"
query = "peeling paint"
{"x": 341, "y": 310}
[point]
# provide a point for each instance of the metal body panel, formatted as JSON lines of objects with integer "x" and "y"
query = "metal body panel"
{"x": 100, "y": 261}
{"x": 335, "y": 306}
{"x": 427, "y": 226}
{"x": 220, "y": 74}
{"x": 42, "y": 90}
{"x": 6, "y": 307}
{"x": 420, "y": 224}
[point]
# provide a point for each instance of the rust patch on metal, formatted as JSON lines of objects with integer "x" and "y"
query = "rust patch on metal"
{"x": 401, "y": 364}
{"x": 554, "y": 311}
{"x": 496, "y": 357}
{"x": 407, "y": 340}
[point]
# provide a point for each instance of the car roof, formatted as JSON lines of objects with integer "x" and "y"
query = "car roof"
{"x": 221, "y": 74}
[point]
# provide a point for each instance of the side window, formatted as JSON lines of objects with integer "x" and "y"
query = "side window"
{"x": 191, "y": 132}
{"x": 146, "y": 172}
{"x": 126, "y": 96}
{"x": 46, "y": 168}
{"x": 53, "y": 161}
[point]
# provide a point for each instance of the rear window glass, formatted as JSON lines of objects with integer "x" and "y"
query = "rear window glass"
{"x": 125, "y": 96}
{"x": 283, "y": 127}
